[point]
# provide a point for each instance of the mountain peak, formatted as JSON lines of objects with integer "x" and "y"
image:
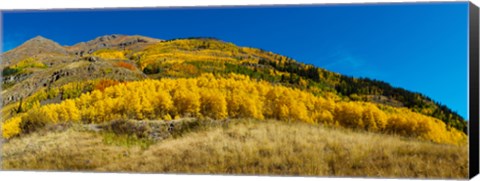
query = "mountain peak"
{"x": 39, "y": 42}
{"x": 39, "y": 39}
{"x": 35, "y": 46}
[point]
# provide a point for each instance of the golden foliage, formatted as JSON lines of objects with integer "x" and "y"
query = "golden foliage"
{"x": 235, "y": 96}
{"x": 28, "y": 63}
{"x": 110, "y": 54}
{"x": 198, "y": 50}
{"x": 180, "y": 69}
{"x": 11, "y": 127}
{"x": 214, "y": 104}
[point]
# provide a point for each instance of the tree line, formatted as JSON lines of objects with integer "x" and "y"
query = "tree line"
{"x": 222, "y": 97}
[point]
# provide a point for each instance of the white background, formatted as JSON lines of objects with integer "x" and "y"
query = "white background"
{"x": 61, "y": 4}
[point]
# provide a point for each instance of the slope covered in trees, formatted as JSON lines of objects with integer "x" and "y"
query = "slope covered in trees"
{"x": 131, "y": 99}
{"x": 191, "y": 57}
{"x": 90, "y": 69}
{"x": 235, "y": 96}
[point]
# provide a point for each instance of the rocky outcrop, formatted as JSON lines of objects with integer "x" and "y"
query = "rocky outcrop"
{"x": 155, "y": 130}
{"x": 111, "y": 41}
{"x": 85, "y": 70}
{"x": 14, "y": 78}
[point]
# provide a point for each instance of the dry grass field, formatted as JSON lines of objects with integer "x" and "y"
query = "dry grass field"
{"x": 243, "y": 147}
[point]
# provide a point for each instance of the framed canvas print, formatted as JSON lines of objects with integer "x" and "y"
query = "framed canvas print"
{"x": 373, "y": 90}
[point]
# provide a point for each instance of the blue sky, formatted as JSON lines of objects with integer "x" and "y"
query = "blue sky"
{"x": 420, "y": 47}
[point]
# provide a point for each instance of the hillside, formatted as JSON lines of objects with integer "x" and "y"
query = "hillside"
{"x": 127, "y": 58}
{"x": 137, "y": 96}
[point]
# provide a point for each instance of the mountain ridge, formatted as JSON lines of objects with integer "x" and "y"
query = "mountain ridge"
{"x": 110, "y": 41}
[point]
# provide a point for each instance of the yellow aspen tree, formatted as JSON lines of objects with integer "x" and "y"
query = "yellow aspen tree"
{"x": 186, "y": 102}
{"x": 213, "y": 104}
{"x": 11, "y": 127}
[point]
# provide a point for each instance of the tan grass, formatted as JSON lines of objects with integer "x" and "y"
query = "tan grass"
{"x": 69, "y": 150}
{"x": 246, "y": 147}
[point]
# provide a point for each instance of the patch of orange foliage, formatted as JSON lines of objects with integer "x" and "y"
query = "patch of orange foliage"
{"x": 126, "y": 65}
{"x": 102, "y": 84}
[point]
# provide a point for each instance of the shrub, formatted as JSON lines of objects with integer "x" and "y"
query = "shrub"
{"x": 7, "y": 71}
{"x": 11, "y": 127}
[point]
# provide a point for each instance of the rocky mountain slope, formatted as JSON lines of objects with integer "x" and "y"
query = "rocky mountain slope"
{"x": 45, "y": 63}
